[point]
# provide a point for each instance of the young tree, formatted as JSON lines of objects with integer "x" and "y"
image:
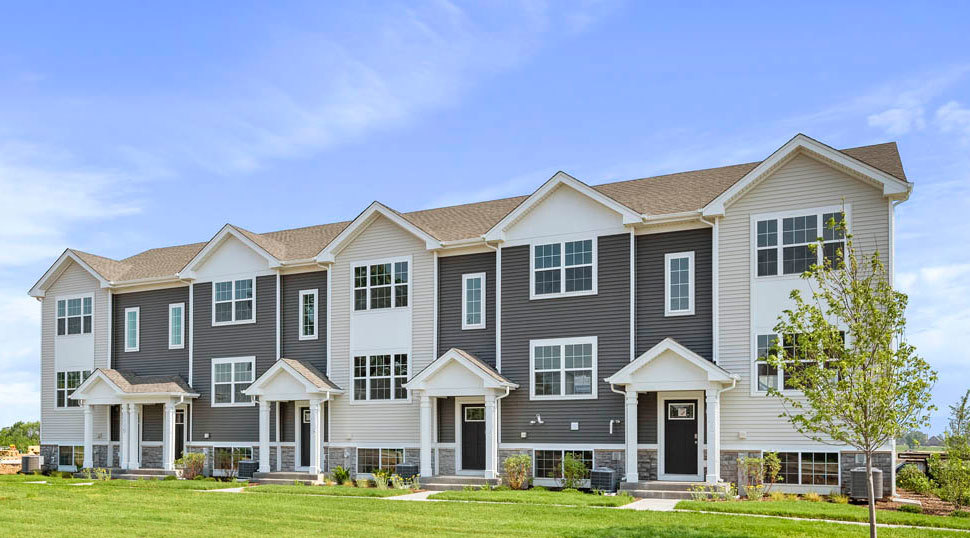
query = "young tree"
{"x": 858, "y": 382}
{"x": 960, "y": 419}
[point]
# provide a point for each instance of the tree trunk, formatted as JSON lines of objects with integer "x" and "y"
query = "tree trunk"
{"x": 872, "y": 499}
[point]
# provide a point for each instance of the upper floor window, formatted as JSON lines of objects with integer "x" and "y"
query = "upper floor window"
{"x": 798, "y": 234}
{"x": 176, "y": 326}
{"x": 230, "y": 377}
{"x": 563, "y": 368}
{"x": 796, "y": 356}
{"x": 679, "y": 284}
{"x": 233, "y": 301}
{"x": 132, "y": 315}
{"x": 381, "y": 285}
{"x": 473, "y": 301}
{"x": 380, "y": 377}
{"x": 564, "y": 268}
{"x": 74, "y": 316}
{"x": 308, "y": 314}
{"x": 67, "y": 383}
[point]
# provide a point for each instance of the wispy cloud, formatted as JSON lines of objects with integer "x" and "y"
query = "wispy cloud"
{"x": 954, "y": 118}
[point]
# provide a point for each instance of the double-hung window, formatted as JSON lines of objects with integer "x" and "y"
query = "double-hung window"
{"x": 74, "y": 315}
{"x": 132, "y": 329}
{"x": 564, "y": 268}
{"x": 563, "y": 369}
{"x": 308, "y": 314}
{"x": 67, "y": 383}
{"x": 380, "y": 377}
{"x": 234, "y": 301}
{"x": 381, "y": 285}
{"x": 176, "y": 326}
{"x": 230, "y": 377}
{"x": 374, "y": 459}
{"x": 793, "y": 252}
{"x": 679, "y": 284}
{"x": 473, "y": 301}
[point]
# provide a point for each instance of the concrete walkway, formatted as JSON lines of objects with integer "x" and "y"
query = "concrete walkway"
{"x": 224, "y": 490}
{"x": 419, "y": 496}
{"x": 655, "y": 505}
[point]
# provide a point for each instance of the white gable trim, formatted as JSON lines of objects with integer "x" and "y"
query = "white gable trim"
{"x": 257, "y": 388}
{"x": 892, "y": 187}
{"x": 359, "y": 224}
{"x": 40, "y": 288}
{"x": 81, "y": 393}
{"x": 228, "y": 230}
{"x": 423, "y": 380}
{"x": 497, "y": 232}
{"x": 714, "y": 372}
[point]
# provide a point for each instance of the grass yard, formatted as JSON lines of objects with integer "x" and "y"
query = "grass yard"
{"x": 535, "y": 497}
{"x": 825, "y": 510}
{"x": 340, "y": 491}
{"x": 102, "y": 510}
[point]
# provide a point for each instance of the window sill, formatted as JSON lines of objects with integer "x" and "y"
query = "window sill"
{"x": 177, "y": 347}
{"x": 73, "y": 335}
{"x": 533, "y": 397}
{"x": 379, "y": 310}
{"x": 768, "y": 278}
{"x": 308, "y": 338}
{"x": 223, "y": 323}
{"x": 131, "y": 349}
{"x": 473, "y": 327}
{"x": 534, "y": 297}
{"x": 678, "y": 313}
{"x": 380, "y": 402}
{"x": 251, "y": 404}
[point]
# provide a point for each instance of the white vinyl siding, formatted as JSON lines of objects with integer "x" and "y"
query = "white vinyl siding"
{"x": 800, "y": 184}
{"x": 176, "y": 326}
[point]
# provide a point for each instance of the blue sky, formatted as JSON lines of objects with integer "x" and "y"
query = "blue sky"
{"x": 125, "y": 126}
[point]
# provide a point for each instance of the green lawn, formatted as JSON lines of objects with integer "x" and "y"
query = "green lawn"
{"x": 340, "y": 491}
{"x": 535, "y": 497}
{"x": 63, "y": 510}
{"x": 825, "y": 510}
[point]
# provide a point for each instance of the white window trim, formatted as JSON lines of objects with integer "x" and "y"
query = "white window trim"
{"x": 368, "y": 400}
{"x": 223, "y": 472}
{"x": 562, "y": 268}
{"x": 65, "y": 298}
{"x": 755, "y": 361}
{"x": 68, "y": 468}
{"x": 316, "y": 314}
{"x": 367, "y": 263}
{"x": 233, "y": 301}
{"x": 380, "y": 456}
{"x": 181, "y": 344}
{"x": 137, "y": 311}
{"x": 556, "y": 482}
{"x": 232, "y": 393}
{"x": 779, "y": 247}
{"x": 65, "y": 390}
{"x": 690, "y": 287}
{"x": 464, "y": 301}
{"x": 533, "y": 344}
{"x": 802, "y": 451}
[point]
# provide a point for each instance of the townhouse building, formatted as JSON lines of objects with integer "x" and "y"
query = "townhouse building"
{"x": 624, "y": 323}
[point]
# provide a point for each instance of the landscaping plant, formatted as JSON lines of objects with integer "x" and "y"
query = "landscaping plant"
{"x": 340, "y": 474}
{"x": 573, "y": 471}
{"x": 912, "y": 479}
{"x": 952, "y": 473}
{"x": 517, "y": 470}
{"x": 858, "y": 381}
{"x": 192, "y": 464}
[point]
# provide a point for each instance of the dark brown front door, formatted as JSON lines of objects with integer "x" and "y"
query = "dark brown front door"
{"x": 472, "y": 437}
{"x": 680, "y": 437}
{"x": 304, "y": 436}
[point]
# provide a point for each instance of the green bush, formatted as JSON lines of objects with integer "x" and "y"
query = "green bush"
{"x": 573, "y": 471}
{"x": 953, "y": 476}
{"x": 912, "y": 479}
{"x": 912, "y": 509}
{"x": 198, "y": 477}
{"x": 839, "y": 498}
{"x": 192, "y": 464}
{"x": 170, "y": 477}
{"x": 960, "y": 513}
{"x": 517, "y": 470}
{"x": 754, "y": 493}
{"x": 340, "y": 474}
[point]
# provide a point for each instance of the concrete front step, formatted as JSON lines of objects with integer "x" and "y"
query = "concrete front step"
{"x": 284, "y": 482}
{"x": 456, "y": 482}
{"x": 655, "y": 489}
{"x": 135, "y": 474}
{"x": 287, "y": 478}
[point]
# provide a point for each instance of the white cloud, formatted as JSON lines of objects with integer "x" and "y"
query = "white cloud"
{"x": 900, "y": 120}
{"x": 953, "y": 117}
{"x": 515, "y": 186}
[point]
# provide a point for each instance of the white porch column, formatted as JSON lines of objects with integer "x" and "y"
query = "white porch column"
{"x": 630, "y": 422}
{"x": 491, "y": 436}
{"x": 168, "y": 436}
{"x": 315, "y": 436}
{"x": 425, "y": 426}
{"x": 109, "y": 455}
{"x": 123, "y": 437}
{"x": 88, "y": 437}
{"x": 134, "y": 436}
{"x": 263, "y": 435}
{"x": 712, "y": 400}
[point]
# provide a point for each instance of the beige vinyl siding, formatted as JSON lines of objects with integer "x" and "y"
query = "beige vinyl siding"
{"x": 67, "y": 424}
{"x": 802, "y": 183}
{"x": 379, "y": 422}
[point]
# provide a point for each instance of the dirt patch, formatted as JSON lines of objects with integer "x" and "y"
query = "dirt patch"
{"x": 9, "y": 469}
{"x": 931, "y": 504}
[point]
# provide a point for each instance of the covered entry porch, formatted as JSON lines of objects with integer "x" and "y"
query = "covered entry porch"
{"x": 687, "y": 389}
{"x": 476, "y": 388}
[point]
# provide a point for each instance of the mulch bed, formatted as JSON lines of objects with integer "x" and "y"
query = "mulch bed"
{"x": 931, "y": 504}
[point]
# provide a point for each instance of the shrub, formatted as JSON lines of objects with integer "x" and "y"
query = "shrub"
{"x": 912, "y": 509}
{"x": 777, "y": 496}
{"x": 347, "y": 483}
{"x": 386, "y": 473}
{"x": 400, "y": 483}
{"x": 416, "y": 482}
{"x": 192, "y": 464}
{"x": 380, "y": 479}
{"x": 811, "y": 496}
{"x": 960, "y": 513}
{"x": 573, "y": 471}
{"x": 839, "y": 498}
{"x": 517, "y": 470}
{"x": 364, "y": 483}
{"x": 198, "y": 477}
{"x": 699, "y": 492}
{"x": 66, "y": 474}
{"x": 102, "y": 474}
{"x": 953, "y": 476}
{"x": 170, "y": 477}
{"x": 912, "y": 479}
{"x": 754, "y": 493}
{"x": 340, "y": 474}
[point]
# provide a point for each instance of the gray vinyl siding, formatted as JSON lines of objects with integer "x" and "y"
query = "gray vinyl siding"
{"x": 696, "y": 331}
{"x": 446, "y": 420}
{"x": 151, "y": 422}
{"x": 153, "y": 356}
{"x": 478, "y": 342}
{"x": 647, "y": 418}
{"x": 249, "y": 339}
{"x": 605, "y": 315}
{"x": 312, "y": 351}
